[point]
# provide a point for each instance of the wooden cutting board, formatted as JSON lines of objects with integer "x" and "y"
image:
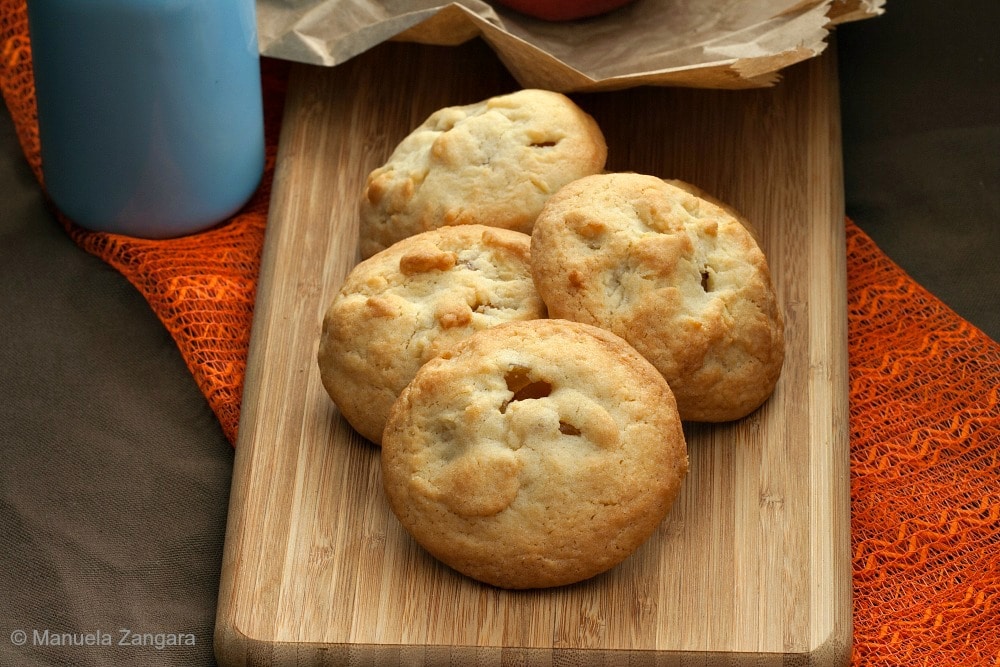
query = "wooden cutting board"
{"x": 752, "y": 566}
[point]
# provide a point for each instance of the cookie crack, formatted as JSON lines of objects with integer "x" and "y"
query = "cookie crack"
{"x": 522, "y": 387}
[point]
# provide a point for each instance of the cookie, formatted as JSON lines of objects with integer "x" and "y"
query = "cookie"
{"x": 410, "y": 302}
{"x": 493, "y": 163}
{"x": 534, "y": 454}
{"x": 678, "y": 276}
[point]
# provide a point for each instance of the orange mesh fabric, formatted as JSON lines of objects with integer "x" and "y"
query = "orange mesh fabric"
{"x": 925, "y": 472}
{"x": 16, "y": 79}
{"x": 925, "y": 411}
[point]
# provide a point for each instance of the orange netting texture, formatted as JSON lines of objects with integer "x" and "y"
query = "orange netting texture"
{"x": 925, "y": 410}
{"x": 925, "y": 472}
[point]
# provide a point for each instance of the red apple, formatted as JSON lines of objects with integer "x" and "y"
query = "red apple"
{"x": 564, "y": 10}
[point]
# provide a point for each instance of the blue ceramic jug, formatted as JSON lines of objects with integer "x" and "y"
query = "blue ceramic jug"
{"x": 149, "y": 111}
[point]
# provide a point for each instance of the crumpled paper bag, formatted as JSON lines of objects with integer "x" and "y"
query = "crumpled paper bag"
{"x": 693, "y": 43}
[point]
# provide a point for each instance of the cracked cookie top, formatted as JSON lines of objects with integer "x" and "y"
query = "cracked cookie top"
{"x": 494, "y": 162}
{"x": 534, "y": 454}
{"x": 410, "y": 302}
{"x": 677, "y": 275}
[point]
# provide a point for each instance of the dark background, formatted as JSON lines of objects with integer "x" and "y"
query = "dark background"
{"x": 114, "y": 473}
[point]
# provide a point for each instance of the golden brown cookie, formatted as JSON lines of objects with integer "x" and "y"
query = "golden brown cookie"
{"x": 534, "y": 454}
{"x": 408, "y": 303}
{"x": 494, "y": 162}
{"x": 675, "y": 274}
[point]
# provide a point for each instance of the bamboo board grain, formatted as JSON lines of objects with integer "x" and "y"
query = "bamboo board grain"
{"x": 752, "y": 566}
